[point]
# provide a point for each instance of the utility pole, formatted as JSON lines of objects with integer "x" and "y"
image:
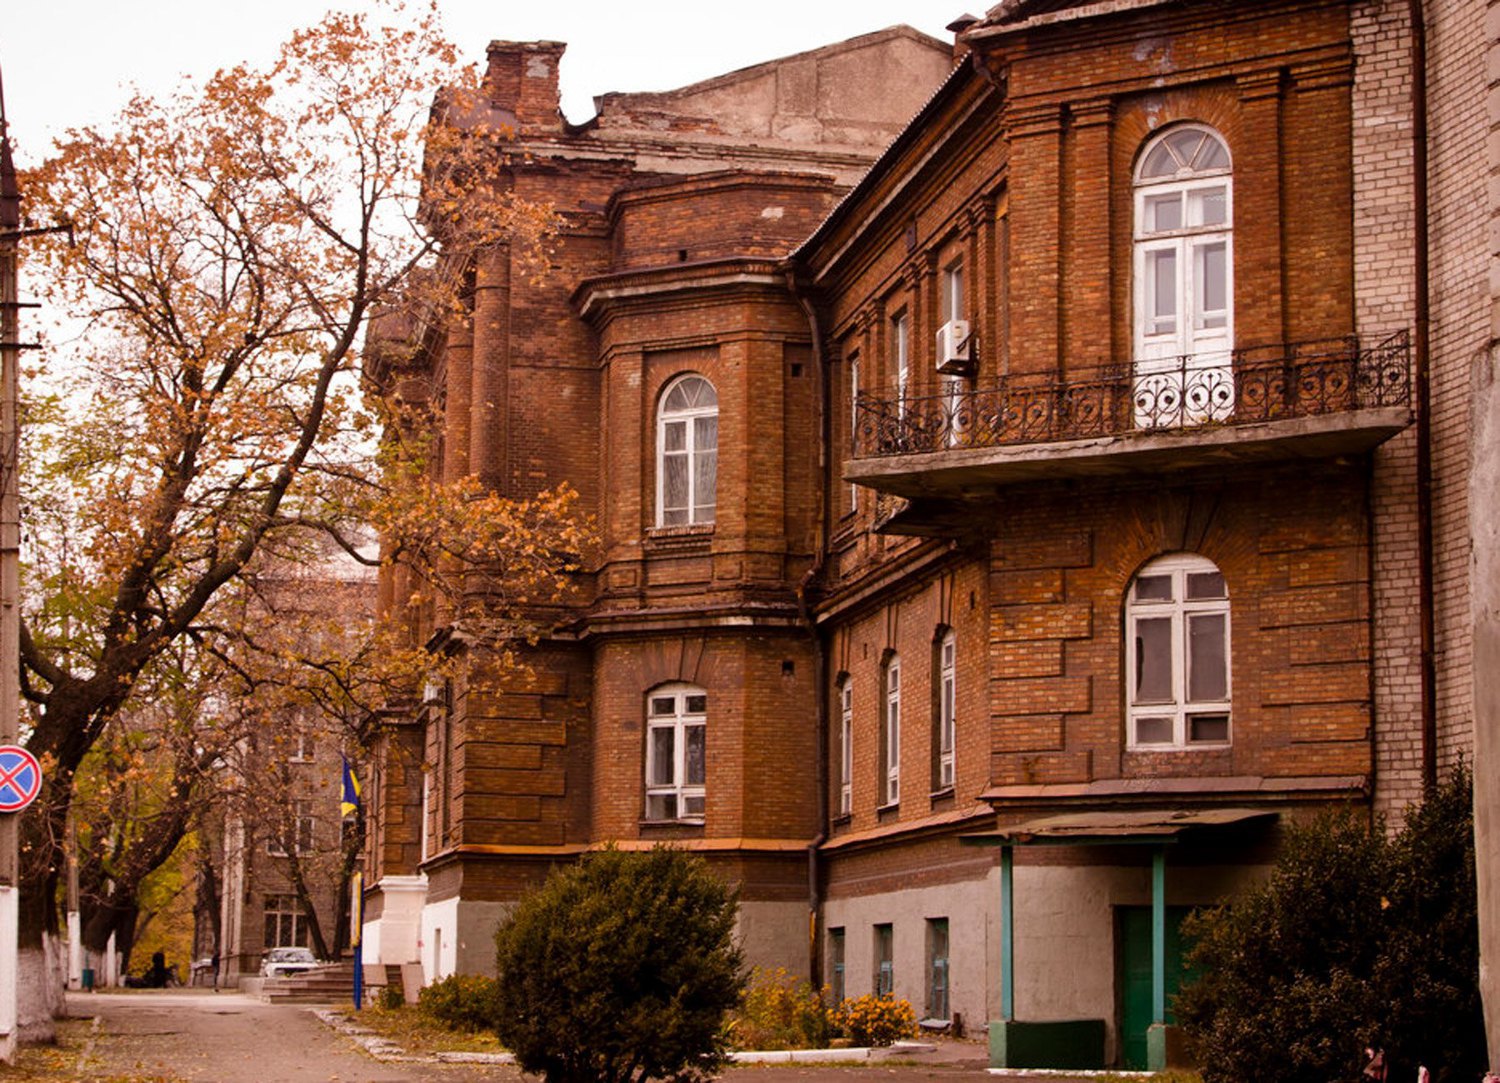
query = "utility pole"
{"x": 11, "y": 347}
{"x": 10, "y": 576}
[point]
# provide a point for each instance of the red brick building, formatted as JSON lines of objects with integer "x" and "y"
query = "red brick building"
{"x": 664, "y": 368}
{"x": 995, "y": 551}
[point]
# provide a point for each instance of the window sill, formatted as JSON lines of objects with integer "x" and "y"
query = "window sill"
{"x": 672, "y": 828}
{"x": 887, "y": 812}
{"x": 690, "y": 537}
{"x": 1196, "y": 746}
{"x": 843, "y": 819}
{"x": 941, "y": 797}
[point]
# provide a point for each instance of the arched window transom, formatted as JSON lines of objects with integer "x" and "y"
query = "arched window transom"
{"x": 1184, "y": 279}
{"x": 1177, "y": 653}
{"x": 676, "y": 752}
{"x": 687, "y": 442}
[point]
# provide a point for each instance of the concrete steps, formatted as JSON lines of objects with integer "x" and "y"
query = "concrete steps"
{"x": 325, "y": 985}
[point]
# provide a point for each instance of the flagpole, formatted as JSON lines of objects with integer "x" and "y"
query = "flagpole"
{"x": 349, "y": 806}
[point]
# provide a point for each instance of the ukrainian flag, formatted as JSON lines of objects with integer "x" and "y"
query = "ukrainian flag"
{"x": 350, "y": 803}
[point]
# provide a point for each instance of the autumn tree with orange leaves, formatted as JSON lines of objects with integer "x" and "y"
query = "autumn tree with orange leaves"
{"x": 229, "y": 247}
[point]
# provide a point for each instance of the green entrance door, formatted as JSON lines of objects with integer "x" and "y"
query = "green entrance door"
{"x": 1135, "y": 976}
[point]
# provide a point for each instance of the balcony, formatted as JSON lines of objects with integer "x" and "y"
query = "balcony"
{"x": 1262, "y": 404}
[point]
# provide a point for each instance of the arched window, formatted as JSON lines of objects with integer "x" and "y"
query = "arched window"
{"x": 687, "y": 452}
{"x": 676, "y": 724}
{"x": 1177, "y": 653}
{"x": 1184, "y": 278}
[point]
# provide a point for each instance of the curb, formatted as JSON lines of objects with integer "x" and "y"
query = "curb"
{"x": 831, "y": 1056}
{"x": 383, "y": 1049}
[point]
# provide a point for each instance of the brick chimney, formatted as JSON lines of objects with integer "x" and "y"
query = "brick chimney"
{"x": 957, "y": 28}
{"x": 522, "y": 79}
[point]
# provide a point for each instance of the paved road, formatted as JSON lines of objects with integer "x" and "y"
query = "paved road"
{"x": 205, "y": 1037}
{"x": 197, "y": 1036}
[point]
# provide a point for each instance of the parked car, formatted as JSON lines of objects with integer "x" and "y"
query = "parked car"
{"x": 279, "y": 962}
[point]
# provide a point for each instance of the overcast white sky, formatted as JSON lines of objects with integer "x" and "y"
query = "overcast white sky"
{"x": 65, "y": 62}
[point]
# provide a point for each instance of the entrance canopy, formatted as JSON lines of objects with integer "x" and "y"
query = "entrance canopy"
{"x": 1116, "y": 827}
{"x": 1156, "y": 828}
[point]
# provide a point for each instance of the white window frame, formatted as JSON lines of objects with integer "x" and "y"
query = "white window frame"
{"x": 1204, "y": 338}
{"x": 846, "y": 747}
{"x": 676, "y": 710}
{"x": 697, "y": 511}
{"x": 954, "y": 301}
{"x": 947, "y": 708}
{"x": 954, "y": 308}
{"x": 890, "y": 718}
{"x": 305, "y": 827}
{"x": 303, "y": 745}
{"x": 1179, "y": 611}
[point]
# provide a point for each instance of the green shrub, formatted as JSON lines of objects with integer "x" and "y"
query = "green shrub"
{"x": 781, "y": 1012}
{"x": 876, "y": 1020}
{"x": 621, "y": 968}
{"x": 460, "y": 1001}
{"x": 390, "y": 998}
{"x": 1357, "y": 940}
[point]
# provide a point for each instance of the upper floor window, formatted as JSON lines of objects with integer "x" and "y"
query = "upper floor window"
{"x": 890, "y": 733}
{"x": 687, "y": 443}
{"x": 302, "y": 747}
{"x": 901, "y": 358}
{"x": 676, "y": 721}
{"x": 294, "y": 832}
{"x": 1184, "y": 277}
{"x": 953, "y": 291}
{"x": 853, "y": 422}
{"x": 1177, "y": 650}
{"x": 846, "y": 747}
{"x": 945, "y": 729}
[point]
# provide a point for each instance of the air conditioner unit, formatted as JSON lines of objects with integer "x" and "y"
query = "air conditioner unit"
{"x": 955, "y": 349}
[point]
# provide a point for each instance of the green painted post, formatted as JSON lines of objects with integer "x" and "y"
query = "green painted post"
{"x": 1159, "y": 935}
{"x": 1007, "y": 934}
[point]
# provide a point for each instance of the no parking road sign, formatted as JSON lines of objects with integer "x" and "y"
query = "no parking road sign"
{"x": 20, "y": 778}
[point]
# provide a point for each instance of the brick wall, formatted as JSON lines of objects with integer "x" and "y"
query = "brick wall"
{"x": 761, "y": 738}
{"x": 1293, "y": 552}
{"x": 1460, "y": 331}
{"x": 908, "y": 623}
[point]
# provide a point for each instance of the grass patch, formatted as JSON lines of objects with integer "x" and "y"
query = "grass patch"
{"x": 417, "y": 1032}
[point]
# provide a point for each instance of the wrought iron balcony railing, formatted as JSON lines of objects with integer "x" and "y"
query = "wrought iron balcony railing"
{"x": 1242, "y": 387}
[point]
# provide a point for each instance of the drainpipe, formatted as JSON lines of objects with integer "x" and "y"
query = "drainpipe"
{"x": 1423, "y": 315}
{"x": 820, "y": 662}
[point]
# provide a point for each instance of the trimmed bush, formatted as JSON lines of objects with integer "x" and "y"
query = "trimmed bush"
{"x": 621, "y": 968}
{"x": 1358, "y": 940}
{"x": 461, "y": 1001}
{"x": 877, "y": 1020}
{"x": 782, "y": 1012}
